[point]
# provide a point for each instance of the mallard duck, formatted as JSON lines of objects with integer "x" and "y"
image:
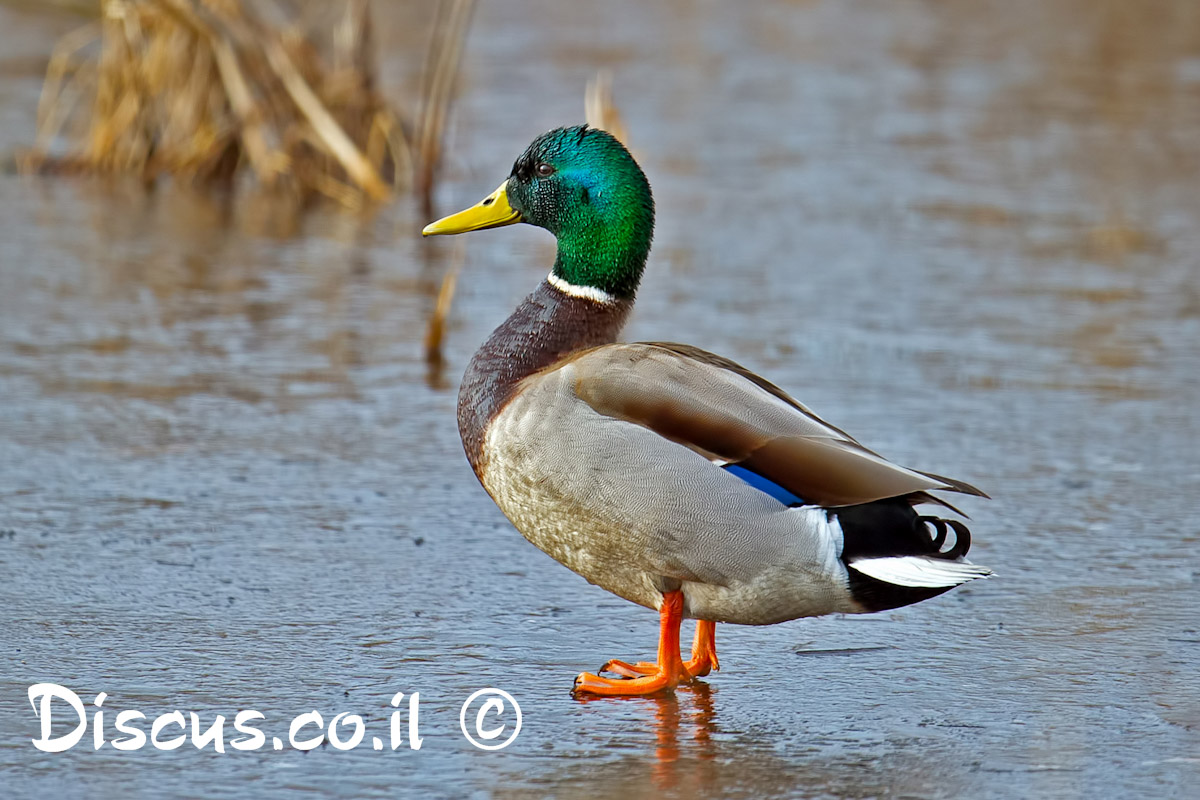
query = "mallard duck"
{"x": 670, "y": 476}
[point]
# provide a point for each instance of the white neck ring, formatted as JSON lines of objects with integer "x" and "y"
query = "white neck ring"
{"x": 584, "y": 292}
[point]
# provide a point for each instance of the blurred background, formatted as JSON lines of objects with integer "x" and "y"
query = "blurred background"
{"x": 230, "y": 475}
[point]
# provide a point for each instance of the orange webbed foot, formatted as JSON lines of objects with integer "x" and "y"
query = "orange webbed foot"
{"x": 627, "y": 670}
{"x": 647, "y": 678}
{"x": 664, "y": 681}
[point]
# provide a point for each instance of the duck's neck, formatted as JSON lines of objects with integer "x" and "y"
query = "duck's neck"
{"x": 605, "y": 257}
{"x": 554, "y": 321}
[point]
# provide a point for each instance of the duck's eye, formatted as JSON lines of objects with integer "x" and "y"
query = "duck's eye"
{"x": 544, "y": 170}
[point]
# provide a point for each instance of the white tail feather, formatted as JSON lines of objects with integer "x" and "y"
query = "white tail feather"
{"x": 926, "y": 572}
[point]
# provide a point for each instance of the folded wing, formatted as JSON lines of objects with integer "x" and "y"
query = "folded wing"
{"x": 728, "y": 414}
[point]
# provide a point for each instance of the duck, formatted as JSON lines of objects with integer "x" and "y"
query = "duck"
{"x": 670, "y": 476}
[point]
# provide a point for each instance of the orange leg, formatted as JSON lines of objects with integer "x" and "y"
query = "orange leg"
{"x": 703, "y": 660}
{"x": 668, "y": 672}
{"x": 704, "y": 650}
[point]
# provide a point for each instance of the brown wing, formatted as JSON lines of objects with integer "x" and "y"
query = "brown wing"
{"x": 725, "y": 412}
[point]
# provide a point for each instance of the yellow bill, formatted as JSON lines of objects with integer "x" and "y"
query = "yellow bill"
{"x": 491, "y": 212}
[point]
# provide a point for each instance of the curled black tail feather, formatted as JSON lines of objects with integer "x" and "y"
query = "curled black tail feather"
{"x": 962, "y": 537}
{"x": 890, "y": 528}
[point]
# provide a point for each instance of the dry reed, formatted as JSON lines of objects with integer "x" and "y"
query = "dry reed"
{"x": 203, "y": 89}
{"x": 441, "y": 72}
{"x": 599, "y": 109}
{"x": 435, "y": 330}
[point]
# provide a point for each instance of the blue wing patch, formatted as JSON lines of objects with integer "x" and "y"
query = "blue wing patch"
{"x": 765, "y": 485}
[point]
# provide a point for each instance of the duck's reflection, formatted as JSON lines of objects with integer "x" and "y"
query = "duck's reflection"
{"x": 685, "y": 721}
{"x": 684, "y": 724}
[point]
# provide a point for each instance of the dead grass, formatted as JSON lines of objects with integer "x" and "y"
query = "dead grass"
{"x": 599, "y": 109}
{"x": 204, "y": 90}
{"x": 441, "y": 73}
{"x": 435, "y": 329}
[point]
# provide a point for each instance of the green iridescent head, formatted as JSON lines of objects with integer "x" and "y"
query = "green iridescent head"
{"x": 582, "y": 185}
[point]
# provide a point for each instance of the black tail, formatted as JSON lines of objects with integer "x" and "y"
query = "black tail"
{"x": 888, "y": 528}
